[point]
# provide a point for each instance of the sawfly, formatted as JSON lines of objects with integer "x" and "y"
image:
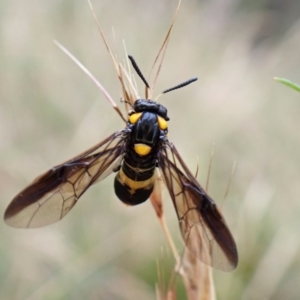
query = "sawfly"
{"x": 134, "y": 154}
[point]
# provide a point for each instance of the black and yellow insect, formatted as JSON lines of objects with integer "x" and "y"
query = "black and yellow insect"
{"x": 134, "y": 153}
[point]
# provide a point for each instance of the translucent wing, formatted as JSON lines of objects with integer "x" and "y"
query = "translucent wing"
{"x": 51, "y": 196}
{"x": 202, "y": 226}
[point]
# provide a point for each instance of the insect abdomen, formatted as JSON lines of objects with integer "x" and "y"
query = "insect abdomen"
{"x": 135, "y": 189}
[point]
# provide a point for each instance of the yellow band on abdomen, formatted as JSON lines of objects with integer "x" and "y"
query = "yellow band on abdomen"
{"x": 133, "y": 184}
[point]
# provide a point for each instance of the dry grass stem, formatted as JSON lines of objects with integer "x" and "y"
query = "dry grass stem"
{"x": 228, "y": 185}
{"x": 92, "y": 77}
{"x": 197, "y": 278}
{"x": 163, "y": 48}
{"x": 209, "y": 167}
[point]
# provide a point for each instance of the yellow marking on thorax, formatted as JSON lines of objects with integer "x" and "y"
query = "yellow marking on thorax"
{"x": 162, "y": 123}
{"x": 134, "y": 117}
{"x": 142, "y": 149}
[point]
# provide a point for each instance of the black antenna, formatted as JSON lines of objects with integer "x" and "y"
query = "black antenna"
{"x": 180, "y": 85}
{"x": 137, "y": 69}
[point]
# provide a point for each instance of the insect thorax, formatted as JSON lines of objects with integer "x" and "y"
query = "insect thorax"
{"x": 147, "y": 123}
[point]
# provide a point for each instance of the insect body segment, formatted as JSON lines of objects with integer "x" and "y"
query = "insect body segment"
{"x": 135, "y": 181}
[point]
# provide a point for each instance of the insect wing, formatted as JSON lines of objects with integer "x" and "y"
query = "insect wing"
{"x": 202, "y": 226}
{"x": 52, "y": 195}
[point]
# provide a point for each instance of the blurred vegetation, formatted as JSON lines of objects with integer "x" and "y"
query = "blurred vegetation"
{"x": 288, "y": 83}
{"x": 51, "y": 111}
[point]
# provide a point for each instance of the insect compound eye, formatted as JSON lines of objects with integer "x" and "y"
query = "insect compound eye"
{"x": 162, "y": 123}
{"x": 134, "y": 117}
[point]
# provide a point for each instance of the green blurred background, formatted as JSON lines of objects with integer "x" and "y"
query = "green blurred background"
{"x": 51, "y": 111}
